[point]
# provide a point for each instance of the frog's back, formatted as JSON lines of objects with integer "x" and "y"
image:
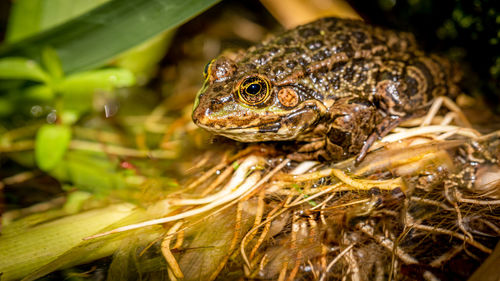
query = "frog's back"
{"x": 324, "y": 43}
{"x": 334, "y": 58}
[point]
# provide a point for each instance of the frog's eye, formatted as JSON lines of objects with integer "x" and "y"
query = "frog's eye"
{"x": 206, "y": 70}
{"x": 254, "y": 90}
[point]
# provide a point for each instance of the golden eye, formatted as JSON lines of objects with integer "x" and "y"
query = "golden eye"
{"x": 254, "y": 90}
{"x": 207, "y": 69}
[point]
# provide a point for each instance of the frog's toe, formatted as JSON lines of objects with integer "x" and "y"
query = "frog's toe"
{"x": 322, "y": 150}
{"x": 382, "y": 129}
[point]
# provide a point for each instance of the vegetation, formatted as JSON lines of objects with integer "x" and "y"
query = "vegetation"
{"x": 103, "y": 172}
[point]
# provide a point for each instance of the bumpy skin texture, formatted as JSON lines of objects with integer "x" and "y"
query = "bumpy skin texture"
{"x": 333, "y": 85}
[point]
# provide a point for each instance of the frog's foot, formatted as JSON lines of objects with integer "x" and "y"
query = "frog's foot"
{"x": 308, "y": 151}
{"x": 322, "y": 149}
{"x": 382, "y": 129}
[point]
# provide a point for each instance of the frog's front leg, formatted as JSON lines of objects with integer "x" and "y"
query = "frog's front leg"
{"x": 353, "y": 121}
{"x": 393, "y": 99}
{"x": 342, "y": 132}
{"x": 320, "y": 148}
{"x": 383, "y": 128}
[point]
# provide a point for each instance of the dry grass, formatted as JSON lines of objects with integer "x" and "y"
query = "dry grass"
{"x": 401, "y": 213}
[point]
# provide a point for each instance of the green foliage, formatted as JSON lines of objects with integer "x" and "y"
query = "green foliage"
{"x": 88, "y": 171}
{"x": 93, "y": 38}
{"x": 57, "y": 241}
{"x": 52, "y": 63}
{"x": 28, "y": 17}
{"x": 59, "y": 58}
{"x": 38, "y": 86}
{"x": 77, "y": 90}
{"x": 50, "y": 38}
{"x": 23, "y": 69}
{"x": 51, "y": 144}
{"x": 56, "y": 43}
{"x": 104, "y": 79}
{"x": 142, "y": 60}
{"x": 72, "y": 94}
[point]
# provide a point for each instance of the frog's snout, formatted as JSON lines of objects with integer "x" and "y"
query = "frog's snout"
{"x": 200, "y": 113}
{"x": 209, "y": 107}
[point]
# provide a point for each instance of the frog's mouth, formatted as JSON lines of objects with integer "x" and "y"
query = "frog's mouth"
{"x": 255, "y": 133}
{"x": 263, "y": 132}
{"x": 290, "y": 125}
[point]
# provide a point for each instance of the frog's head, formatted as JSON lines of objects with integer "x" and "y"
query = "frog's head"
{"x": 246, "y": 105}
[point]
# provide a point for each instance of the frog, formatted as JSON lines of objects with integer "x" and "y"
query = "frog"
{"x": 331, "y": 87}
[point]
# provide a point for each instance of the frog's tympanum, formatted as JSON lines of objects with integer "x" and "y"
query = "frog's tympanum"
{"x": 334, "y": 86}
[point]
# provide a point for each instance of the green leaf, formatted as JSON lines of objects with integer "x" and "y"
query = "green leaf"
{"x": 21, "y": 68}
{"x": 24, "y": 19}
{"x": 6, "y": 107}
{"x": 28, "y": 252}
{"x": 97, "y": 36}
{"x": 52, "y": 63}
{"x": 103, "y": 79}
{"x": 143, "y": 59}
{"x": 89, "y": 171}
{"x": 52, "y": 142}
{"x": 75, "y": 201}
{"x": 28, "y": 17}
{"x": 78, "y": 90}
{"x": 235, "y": 165}
{"x": 69, "y": 116}
{"x": 40, "y": 92}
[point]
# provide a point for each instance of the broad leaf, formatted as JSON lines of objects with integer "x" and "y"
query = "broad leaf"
{"x": 28, "y": 17}
{"x": 21, "y": 68}
{"x": 105, "y": 79}
{"x": 52, "y": 63}
{"x": 97, "y": 36}
{"x": 51, "y": 144}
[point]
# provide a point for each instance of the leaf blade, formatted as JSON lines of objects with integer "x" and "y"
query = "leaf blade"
{"x": 94, "y": 38}
{"x": 21, "y": 68}
{"x": 52, "y": 142}
{"x": 27, "y": 17}
{"x": 106, "y": 79}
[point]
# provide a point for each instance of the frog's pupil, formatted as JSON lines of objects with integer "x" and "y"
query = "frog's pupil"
{"x": 253, "y": 89}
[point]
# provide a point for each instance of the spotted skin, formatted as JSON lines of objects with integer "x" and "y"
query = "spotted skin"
{"x": 335, "y": 86}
